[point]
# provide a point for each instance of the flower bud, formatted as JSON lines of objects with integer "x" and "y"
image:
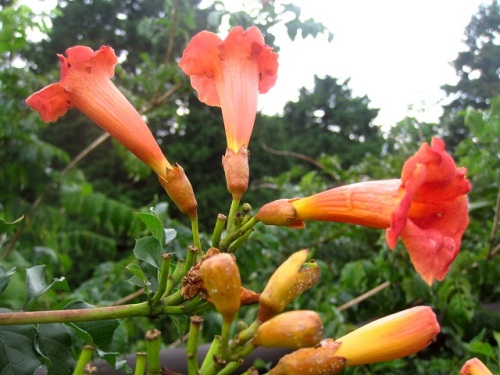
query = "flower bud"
{"x": 280, "y": 212}
{"x": 179, "y": 189}
{"x": 292, "y": 329}
{"x": 475, "y": 367}
{"x": 221, "y": 278}
{"x": 290, "y": 280}
{"x": 237, "y": 172}
{"x": 394, "y": 336}
{"x": 320, "y": 360}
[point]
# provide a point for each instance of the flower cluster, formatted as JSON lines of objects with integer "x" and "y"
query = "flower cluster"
{"x": 426, "y": 207}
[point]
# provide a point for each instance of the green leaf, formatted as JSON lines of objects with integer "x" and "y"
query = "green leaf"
{"x": 139, "y": 278}
{"x": 36, "y": 285}
{"x": 149, "y": 250}
{"x": 17, "y": 352}
{"x": 181, "y": 322}
{"x": 98, "y": 333}
{"x": 5, "y": 277}
{"x": 154, "y": 224}
{"x": 54, "y": 344}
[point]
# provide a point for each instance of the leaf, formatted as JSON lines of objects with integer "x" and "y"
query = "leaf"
{"x": 5, "y": 277}
{"x": 139, "y": 278}
{"x": 154, "y": 224}
{"x": 36, "y": 285}
{"x": 170, "y": 235}
{"x": 149, "y": 250}
{"x": 54, "y": 344}
{"x": 97, "y": 333}
{"x": 17, "y": 352}
{"x": 181, "y": 322}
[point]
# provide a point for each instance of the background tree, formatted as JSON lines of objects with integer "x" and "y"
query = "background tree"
{"x": 478, "y": 71}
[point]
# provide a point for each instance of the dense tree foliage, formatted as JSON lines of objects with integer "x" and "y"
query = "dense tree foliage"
{"x": 477, "y": 68}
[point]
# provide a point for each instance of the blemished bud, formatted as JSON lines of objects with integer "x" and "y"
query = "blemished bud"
{"x": 394, "y": 336}
{"x": 179, "y": 189}
{"x": 290, "y": 280}
{"x": 292, "y": 329}
{"x": 221, "y": 278}
{"x": 320, "y": 360}
{"x": 237, "y": 172}
{"x": 475, "y": 367}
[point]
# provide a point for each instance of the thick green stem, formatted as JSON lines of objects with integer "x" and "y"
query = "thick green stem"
{"x": 153, "y": 343}
{"x": 174, "y": 278}
{"x": 190, "y": 259}
{"x": 85, "y": 357}
{"x": 208, "y": 362}
{"x": 229, "y": 239}
{"x": 196, "y": 234}
{"x": 239, "y": 241}
{"x": 84, "y": 315}
{"x": 219, "y": 227}
{"x": 163, "y": 278}
{"x": 173, "y": 299}
{"x": 192, "y": 344}
{"x": 232, "y": 214}
{"x": 230, "y": 367}
{"x": 140, "y": 363}
{"x": 224, "y": 338}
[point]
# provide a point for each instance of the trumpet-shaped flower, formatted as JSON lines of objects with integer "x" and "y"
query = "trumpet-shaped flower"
{"x": 229, "y": 74}
{"x": 85, "y": 84}
{"x": 394, "y": 336}
{"x": 427, "y": 208}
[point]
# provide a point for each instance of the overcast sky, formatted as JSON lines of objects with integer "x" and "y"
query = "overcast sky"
{"x": 397, "y": 52}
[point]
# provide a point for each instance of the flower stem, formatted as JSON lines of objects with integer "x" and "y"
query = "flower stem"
{"x": 192, "y": 344}
{"x": 140, "y": 363}
{"x": 196, "y": 234}
{"x": 174, "y": 278}
{"x": 163, "y": 278}
{"x": 219, "y": 227}
{"x": 208, "y": 362}
{"x": 153, "y": 343}
{"x": 224, "y": 338}
{"x": 83, "y": 315}
{"x": 232, "y": 214}
{"x": 230, "y": 367}
{"x": 226, "y": 242}
{"x": 239, "y": 241}
{"x": 85, "y": 357}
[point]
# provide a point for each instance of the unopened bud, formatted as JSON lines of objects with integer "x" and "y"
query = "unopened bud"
{"x": 280, "y": 213}
{"x": 292, "y": 329}
{"x": 179, "y": 189}
{"x": 290, "y": 280}
{"x": 221, "y": 278}
{"x": 394, "y": 336}
{"x": 237, "y": 172}
{"x": 320, "y": 360}
{"x": 475, "y": 367}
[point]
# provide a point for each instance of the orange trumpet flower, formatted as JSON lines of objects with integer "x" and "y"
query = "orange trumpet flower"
{"x": 427, "y": 208}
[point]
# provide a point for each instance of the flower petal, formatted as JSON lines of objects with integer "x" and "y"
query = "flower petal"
{"x": 51, "y": 102}
{"x": 201, "y": 61}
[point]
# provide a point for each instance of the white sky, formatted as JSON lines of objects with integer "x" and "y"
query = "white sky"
{"x": 397, "y": 52}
